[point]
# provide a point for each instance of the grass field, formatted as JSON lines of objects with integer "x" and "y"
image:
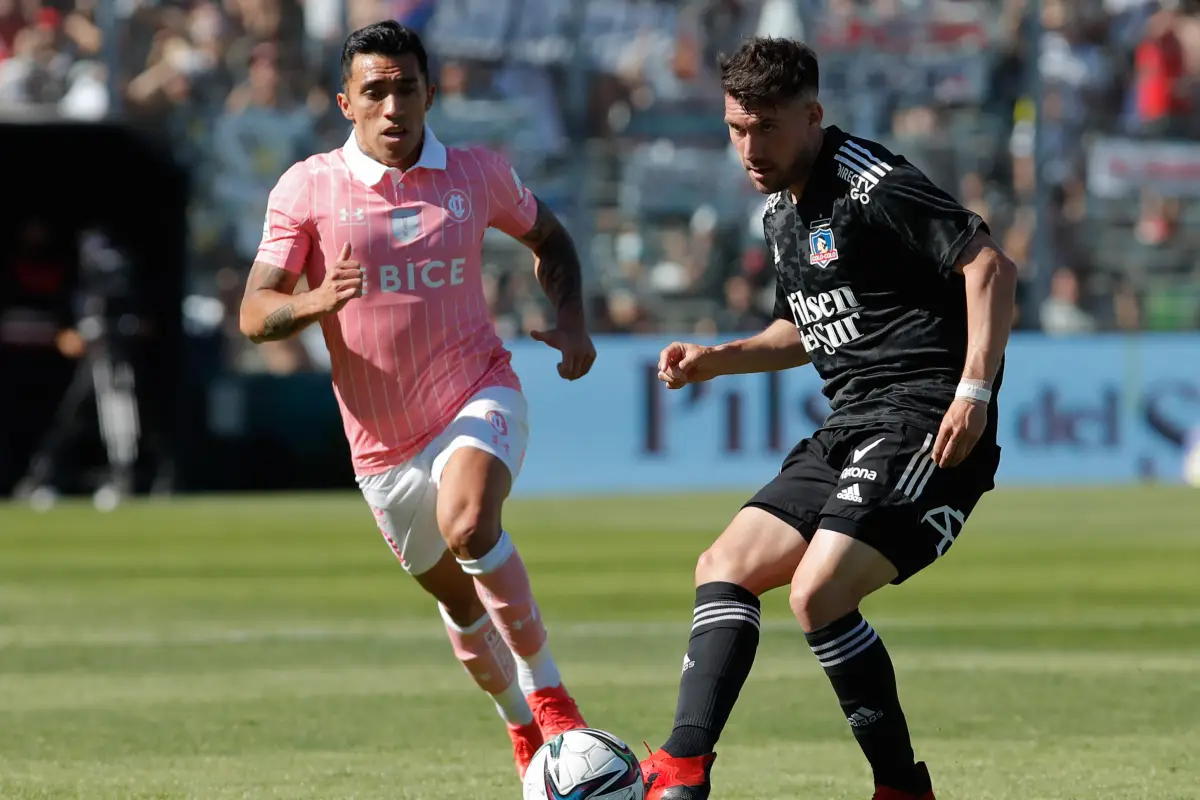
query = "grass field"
{"x": 272, "y": 648}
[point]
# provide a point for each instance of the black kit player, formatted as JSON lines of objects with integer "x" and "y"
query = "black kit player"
{"x": 900, "y": 299}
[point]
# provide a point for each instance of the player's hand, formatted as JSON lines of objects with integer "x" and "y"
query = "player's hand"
{"x": 961, "y": 428}
{"x": 681, "y": 363}
{"x": 343, "y": 282}
{"x": 569, "y": 337}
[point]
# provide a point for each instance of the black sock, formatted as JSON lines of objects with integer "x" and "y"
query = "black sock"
{"x": 860, "y": 669}
{"x": 718, "y": 660}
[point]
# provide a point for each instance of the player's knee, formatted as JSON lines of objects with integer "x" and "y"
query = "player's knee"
{"x": 470, "y": 529}
{"x": 709, "y": 567}
{"x": 818, "y": 603}
{"x": 720, "y": 565}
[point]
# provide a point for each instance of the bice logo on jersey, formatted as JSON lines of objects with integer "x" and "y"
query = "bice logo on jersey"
{"x": 822, "y": 250}
{"x": 497, "y": 421}
{"x": 406, "y": 225}
{"x": 457, "y": 205}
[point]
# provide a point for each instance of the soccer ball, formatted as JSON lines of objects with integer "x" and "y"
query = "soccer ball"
{"x": 584, "y": 764}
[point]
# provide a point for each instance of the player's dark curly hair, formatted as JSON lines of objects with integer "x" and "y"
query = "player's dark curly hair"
{"x": 766, "y": 71}
{"x": 388, "y": 38}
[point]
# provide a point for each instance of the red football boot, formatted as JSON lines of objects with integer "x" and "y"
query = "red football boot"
{"x": 671, "y": 778}
{"x": 526, "y": 739}
{"x": 555, "y": 711}
{"x": 925, "y": 791}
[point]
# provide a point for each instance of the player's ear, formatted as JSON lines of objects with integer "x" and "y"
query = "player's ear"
{"x": 816, "y": 113}
{"x": 344, "y": 105}
{"x": 429, "y": 94}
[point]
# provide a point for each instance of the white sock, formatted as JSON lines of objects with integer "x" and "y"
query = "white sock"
{"x": 537, "y": 672}
{"x": 512, "y": 705}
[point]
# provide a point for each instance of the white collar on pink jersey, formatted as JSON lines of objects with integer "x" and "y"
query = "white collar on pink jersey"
{"x": 371, "y": 172}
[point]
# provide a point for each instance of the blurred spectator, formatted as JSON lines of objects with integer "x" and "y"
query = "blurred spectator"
{"x": 741, "y": 314}
{"x": 265, "y": 129}
{"x": 1158, "y": 83}
{"x": 1061, "y": 314}
{"x": 610, "y": 110}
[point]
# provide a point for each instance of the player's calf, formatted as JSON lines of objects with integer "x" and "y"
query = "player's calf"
{"x": 474, "y": 485}
{"x": 756, "y": 552}
{"x": 490, "y": 664}
{"x": 836, "y": 574}
{"x": 504, "y": 586}
{"x": 487, "y": 659}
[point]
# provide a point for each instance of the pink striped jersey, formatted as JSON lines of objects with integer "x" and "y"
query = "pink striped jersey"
{"x": 409, "y": 353}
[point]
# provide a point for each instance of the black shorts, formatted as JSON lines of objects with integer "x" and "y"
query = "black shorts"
{"x": 879, "y": 485}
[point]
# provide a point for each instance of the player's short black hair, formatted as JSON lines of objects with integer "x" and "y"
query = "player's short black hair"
{"x": 767, "y": 71}
{"x": 387, "y": 38}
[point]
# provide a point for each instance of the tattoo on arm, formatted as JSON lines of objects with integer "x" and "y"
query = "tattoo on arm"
{"x": 281, "y": 322}
{"x": 557, "y": 266}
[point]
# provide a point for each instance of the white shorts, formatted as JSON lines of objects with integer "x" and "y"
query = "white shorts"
{"x": 404, "y": 499}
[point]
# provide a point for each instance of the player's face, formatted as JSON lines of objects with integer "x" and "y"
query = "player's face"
{"x": 777, "y": 146}
{"x": 387, "y": 98}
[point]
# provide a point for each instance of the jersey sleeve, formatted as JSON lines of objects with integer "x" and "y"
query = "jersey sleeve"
{"x": 512, "y": 208}
{"x": 926, "y": 218}
{"x": 782, "y": 310}
{"x": 287, "y": 232}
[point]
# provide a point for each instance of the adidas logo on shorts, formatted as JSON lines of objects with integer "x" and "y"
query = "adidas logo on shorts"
{"x": 851, "y": 494}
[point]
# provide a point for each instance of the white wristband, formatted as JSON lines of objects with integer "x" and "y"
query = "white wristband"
{"x": 979, "y": 391}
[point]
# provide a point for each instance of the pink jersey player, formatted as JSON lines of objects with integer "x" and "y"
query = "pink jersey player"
{"x": 387, "y": 230}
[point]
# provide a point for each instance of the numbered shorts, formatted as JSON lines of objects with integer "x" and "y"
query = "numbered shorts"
{"x": 404, "y": 499}
{"x": 879, "y": 484}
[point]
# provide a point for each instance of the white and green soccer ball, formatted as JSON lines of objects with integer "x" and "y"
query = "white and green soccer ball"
{"x": 584, "y": 764}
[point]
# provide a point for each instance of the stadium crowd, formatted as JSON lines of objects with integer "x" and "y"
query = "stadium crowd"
{"x": 610, "y": 109}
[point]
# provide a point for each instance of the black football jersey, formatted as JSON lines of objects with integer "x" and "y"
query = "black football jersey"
{"x": 865, "y": 264}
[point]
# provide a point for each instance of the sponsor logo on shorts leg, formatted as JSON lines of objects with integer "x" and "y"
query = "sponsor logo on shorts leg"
{"x": 851, "y": 494}
{"x": 948, "y": 522}
{"x": 497, "y": 421}
{"x": 860, "y": 473}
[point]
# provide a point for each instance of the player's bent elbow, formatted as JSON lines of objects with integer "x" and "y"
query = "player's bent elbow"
{"x": 251, "y": 327}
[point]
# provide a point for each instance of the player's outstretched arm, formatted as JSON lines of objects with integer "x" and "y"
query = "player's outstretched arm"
{"x": 271, "y": 311}
{"x": 557, "y": 267}
{"x": 778, "y": 347}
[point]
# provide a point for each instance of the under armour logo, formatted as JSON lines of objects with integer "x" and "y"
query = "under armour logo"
{"x": 355, "y": 216}
{"x": 948, "y": 522}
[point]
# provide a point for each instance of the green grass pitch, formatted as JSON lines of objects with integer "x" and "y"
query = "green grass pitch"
{"x": 270, "y": 647}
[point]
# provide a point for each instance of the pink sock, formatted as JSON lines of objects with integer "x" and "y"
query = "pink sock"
{"x": 490, "y": 664}
{"x": 503, "y": 586}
